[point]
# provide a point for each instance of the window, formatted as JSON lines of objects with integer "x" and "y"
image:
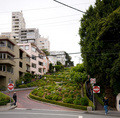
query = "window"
{"x": 28, "y": 59}
{"x": 40, "y": 56}
{"x": 2, "y": 43}
{"x": 40, "y": 63}
{"x": 34, "y": 57}
{"x": 21, "y": 47}
{"x": 9, "y": 56}
{"x": 20, "y": 64}
{"x": 9, "y": 45}
{"x": 2, "y": 55}
{"x": 28, "y": 67}
{"x": 9, "y": 69}
{"x": 33, "y": 65}
{"x": 33, "y": 49}
{"x": 40, "y": 70}
{"x": 21, "y": 54}
{"x": 27, "y": 47}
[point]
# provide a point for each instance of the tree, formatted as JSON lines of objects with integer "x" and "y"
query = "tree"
{"x": 99, "y": 42}
{"x": 46, "y": 52}
{"x": 68, "y": 61}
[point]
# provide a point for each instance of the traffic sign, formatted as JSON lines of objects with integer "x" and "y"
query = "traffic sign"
{"x": 93, "y": 80}
{"x": 10, "y": 86}
{"x": 96, "y": 89}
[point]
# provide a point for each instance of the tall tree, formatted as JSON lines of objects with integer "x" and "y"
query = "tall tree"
{"x": 99, "y": 34}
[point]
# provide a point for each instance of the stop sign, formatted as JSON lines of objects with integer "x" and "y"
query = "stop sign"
{"x": 10, "y": 86}
{"x": 96, "y": 89}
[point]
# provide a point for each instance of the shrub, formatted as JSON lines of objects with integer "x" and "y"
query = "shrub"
{"x": 76, "y": 101}
{"x": 22, "y": 86}
{"x": 4, "y": 99}
{"x": 66, "y": 95}
{"x": 68, "y": 100}
{"x": 40, "y": 94}
{"x": 48, "y": 97}
{"x": 84, "y": 101}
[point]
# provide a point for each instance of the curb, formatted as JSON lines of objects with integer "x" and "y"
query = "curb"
{"x": 7, "y": 107}
{"x": 110, "y": 113}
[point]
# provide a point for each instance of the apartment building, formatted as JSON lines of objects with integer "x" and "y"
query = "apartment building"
{"x": 57, "y": 56}
{"x": 38, "y": 62}
{"x": 18, "y": 23}
{"x": 14, "y": 61}
{"x": 28, "y": 35}
{"x": 43, "y": 43}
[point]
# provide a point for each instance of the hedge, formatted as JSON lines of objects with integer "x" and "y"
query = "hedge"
{"x": 4, "y": 99}
{"x": 58, "y": 103}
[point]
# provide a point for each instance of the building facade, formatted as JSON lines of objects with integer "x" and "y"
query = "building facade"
{"x": 39, "y": 63}
{"x": 14, "y": 62}
{"x": 28, "y": 35}
{"x": 43, "y": 43}
{"x": 57, "y": 56}
{"x": 18, "y": 23}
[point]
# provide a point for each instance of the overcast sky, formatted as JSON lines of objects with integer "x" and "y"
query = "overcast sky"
{"x": 55, "y": 21}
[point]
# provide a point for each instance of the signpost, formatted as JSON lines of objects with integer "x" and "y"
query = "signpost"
{"x": 10, "y": 88}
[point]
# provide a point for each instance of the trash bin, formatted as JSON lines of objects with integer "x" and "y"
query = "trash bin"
{"x": 118, "y": 102}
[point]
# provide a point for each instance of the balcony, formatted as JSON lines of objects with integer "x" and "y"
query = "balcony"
{"x": 8, "y": 62}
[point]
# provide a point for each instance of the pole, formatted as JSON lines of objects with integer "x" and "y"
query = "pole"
{"x": 10, "y": 97}
{"x": 93, "y": 99}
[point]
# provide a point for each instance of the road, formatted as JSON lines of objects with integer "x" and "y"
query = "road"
{"x": 27, "y": 108}
{"x": 24, "y": 102}
{"x": 19, "y": 113}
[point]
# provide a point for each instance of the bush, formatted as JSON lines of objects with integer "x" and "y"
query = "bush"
{"x": 68, "y": 100}
{"x": 22, "y": 86}
{"x": 40, "y": 94}
{"x": 48, "y": 97}
{"x": 76, "y": 101}
{"x": 84, "y": 101}
{"x": 4, "y": 99}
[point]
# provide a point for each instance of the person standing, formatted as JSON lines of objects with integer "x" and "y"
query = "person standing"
{"x": 105, "y": 100}
{"x": 15, "y": 98}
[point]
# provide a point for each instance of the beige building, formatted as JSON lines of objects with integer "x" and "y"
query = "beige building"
{"x": 18, "y": 23}
{"x": 43, "y": 43}
{"x": 14, "y": 62}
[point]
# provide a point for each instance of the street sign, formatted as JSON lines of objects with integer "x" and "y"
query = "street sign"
{"x": 10, "y": 86}
{"x": 93, "y": 80}
{"x": 96, "y": 89}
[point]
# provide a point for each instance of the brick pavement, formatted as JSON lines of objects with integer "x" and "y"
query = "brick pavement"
{"x": 24, "y": 102}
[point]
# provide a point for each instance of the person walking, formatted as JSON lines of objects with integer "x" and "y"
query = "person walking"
{"x": 15, "y": 98}
{"x": 105, "y": 100}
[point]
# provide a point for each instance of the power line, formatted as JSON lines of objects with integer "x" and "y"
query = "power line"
{"x": 69, "y": 6}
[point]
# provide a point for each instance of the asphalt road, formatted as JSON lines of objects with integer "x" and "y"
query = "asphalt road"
{"x": 22, "y": 113}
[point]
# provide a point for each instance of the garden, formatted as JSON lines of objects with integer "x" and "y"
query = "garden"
{"x": 60, "y": 88}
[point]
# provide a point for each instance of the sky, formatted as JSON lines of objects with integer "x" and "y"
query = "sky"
{"x": 56, "y": 22}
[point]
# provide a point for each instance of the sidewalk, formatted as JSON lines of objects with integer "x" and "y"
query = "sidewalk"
{"x": 7, "y": 107}
{"x": 102, "y": 112}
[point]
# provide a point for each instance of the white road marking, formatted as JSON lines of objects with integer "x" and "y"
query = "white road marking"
{"x": 80, "y": 116}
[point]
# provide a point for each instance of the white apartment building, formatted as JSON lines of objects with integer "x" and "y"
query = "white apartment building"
{"x": 28, "y": 35}
{"x": 18, "y": 23}
{"x": 57, "y": 56}
{"x": 43, "y": 43}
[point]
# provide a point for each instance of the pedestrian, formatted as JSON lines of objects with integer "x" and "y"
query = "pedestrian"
{"x": 15, "y": 98}
{"x": 105, "y": 100}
